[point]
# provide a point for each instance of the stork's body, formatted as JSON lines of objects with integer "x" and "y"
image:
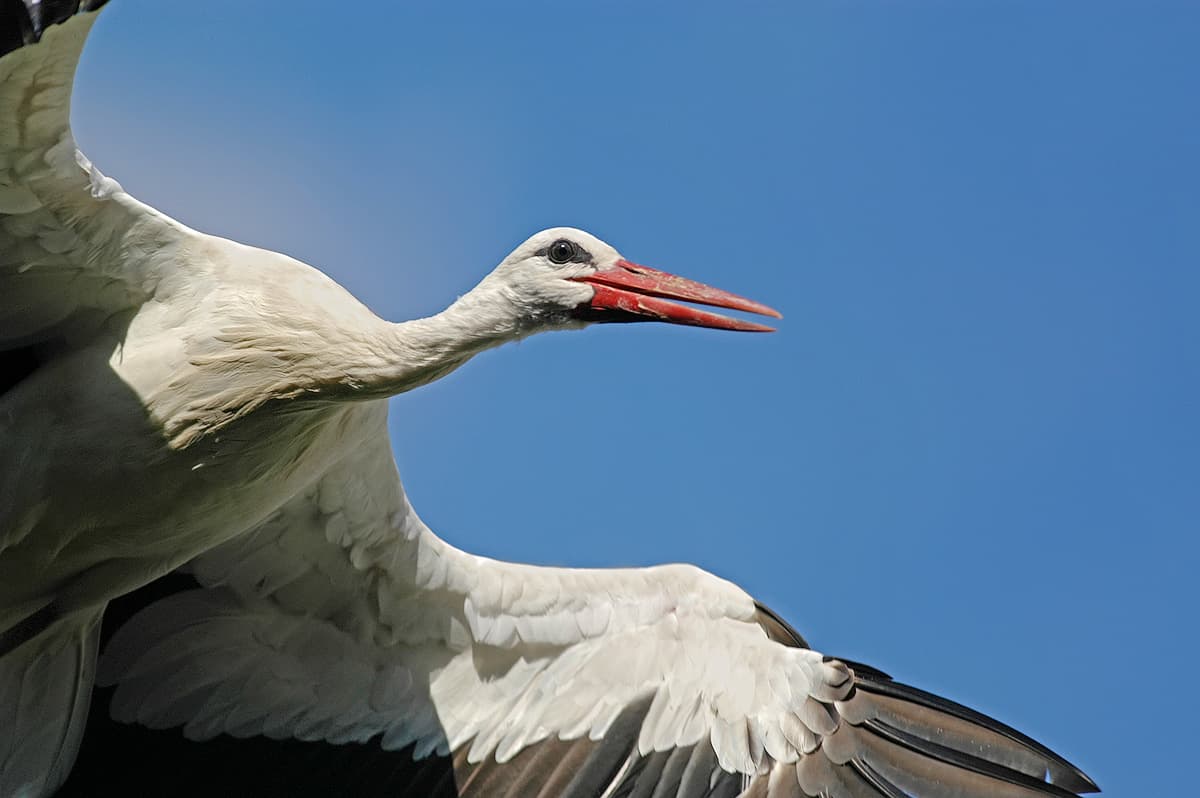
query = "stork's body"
{"x": 169, "y": 396}
{"x": 153, "y": 389}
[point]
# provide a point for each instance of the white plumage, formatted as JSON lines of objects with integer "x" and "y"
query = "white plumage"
{"x": 170, "y": 397}
{"x": 344, "y": 619}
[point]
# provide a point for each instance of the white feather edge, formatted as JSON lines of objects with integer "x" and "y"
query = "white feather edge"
{"x": 343, "y": 617}
{"x": 352, "y": 548}
{"x": 243, "y": 668}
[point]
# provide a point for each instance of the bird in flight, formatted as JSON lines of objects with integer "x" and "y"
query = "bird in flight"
{"x": 176, "y": 402}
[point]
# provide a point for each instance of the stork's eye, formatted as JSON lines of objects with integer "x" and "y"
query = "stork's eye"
{"x": 561, "y": 251}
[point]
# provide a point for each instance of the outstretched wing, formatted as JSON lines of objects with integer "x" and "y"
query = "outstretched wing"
{"x": 345, "y": 622}
{"x": 76, "y": 252}
{"x": 75, "y": 249}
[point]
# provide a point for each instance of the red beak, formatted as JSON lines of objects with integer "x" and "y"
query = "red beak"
{"x": 630, "y": 292}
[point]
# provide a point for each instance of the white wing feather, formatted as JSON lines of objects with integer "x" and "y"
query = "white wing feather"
{"x": 76, "y": 251}
{"x": 218, "y": 663}
{"x": 72, "y": 242}
{"x": 348, "y": 592}
{"x": 343, "y": 618}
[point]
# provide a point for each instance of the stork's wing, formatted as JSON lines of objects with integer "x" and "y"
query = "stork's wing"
{"x": 345, "y": 621}
{"x": 75, "y": 249}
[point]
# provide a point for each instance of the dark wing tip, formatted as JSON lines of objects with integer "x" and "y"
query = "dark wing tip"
{"x": 968, "y": 762}
{"x": 23, "y": 22}
{"x": 1064, "y": 774}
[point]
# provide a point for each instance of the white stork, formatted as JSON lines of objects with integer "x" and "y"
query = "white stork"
{"x": 168, "y": 397}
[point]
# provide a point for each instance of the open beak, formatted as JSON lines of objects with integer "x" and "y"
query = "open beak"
{"x": 631, "y": 292}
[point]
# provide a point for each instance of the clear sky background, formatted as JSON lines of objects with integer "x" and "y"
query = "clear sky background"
{"x": 970, "y": 454}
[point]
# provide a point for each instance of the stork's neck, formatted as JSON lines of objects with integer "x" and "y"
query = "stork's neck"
{"x": 414, "y": 353}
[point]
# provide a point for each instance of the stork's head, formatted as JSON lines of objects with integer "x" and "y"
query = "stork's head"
{"x": 565, "y": 277}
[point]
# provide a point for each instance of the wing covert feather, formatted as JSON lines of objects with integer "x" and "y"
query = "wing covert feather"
{"x": 75, "y": 249}
{"x": 343, "y": 620}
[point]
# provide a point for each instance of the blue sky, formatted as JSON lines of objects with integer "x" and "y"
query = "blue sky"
{"x": 969, "y": 456}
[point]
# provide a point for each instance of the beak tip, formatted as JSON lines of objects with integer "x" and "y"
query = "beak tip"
{"x": 741, "y": 325}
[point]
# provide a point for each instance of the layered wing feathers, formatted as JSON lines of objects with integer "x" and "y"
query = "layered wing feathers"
{"x": 343, "y": 619}
{"x": 75, "y": 249}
